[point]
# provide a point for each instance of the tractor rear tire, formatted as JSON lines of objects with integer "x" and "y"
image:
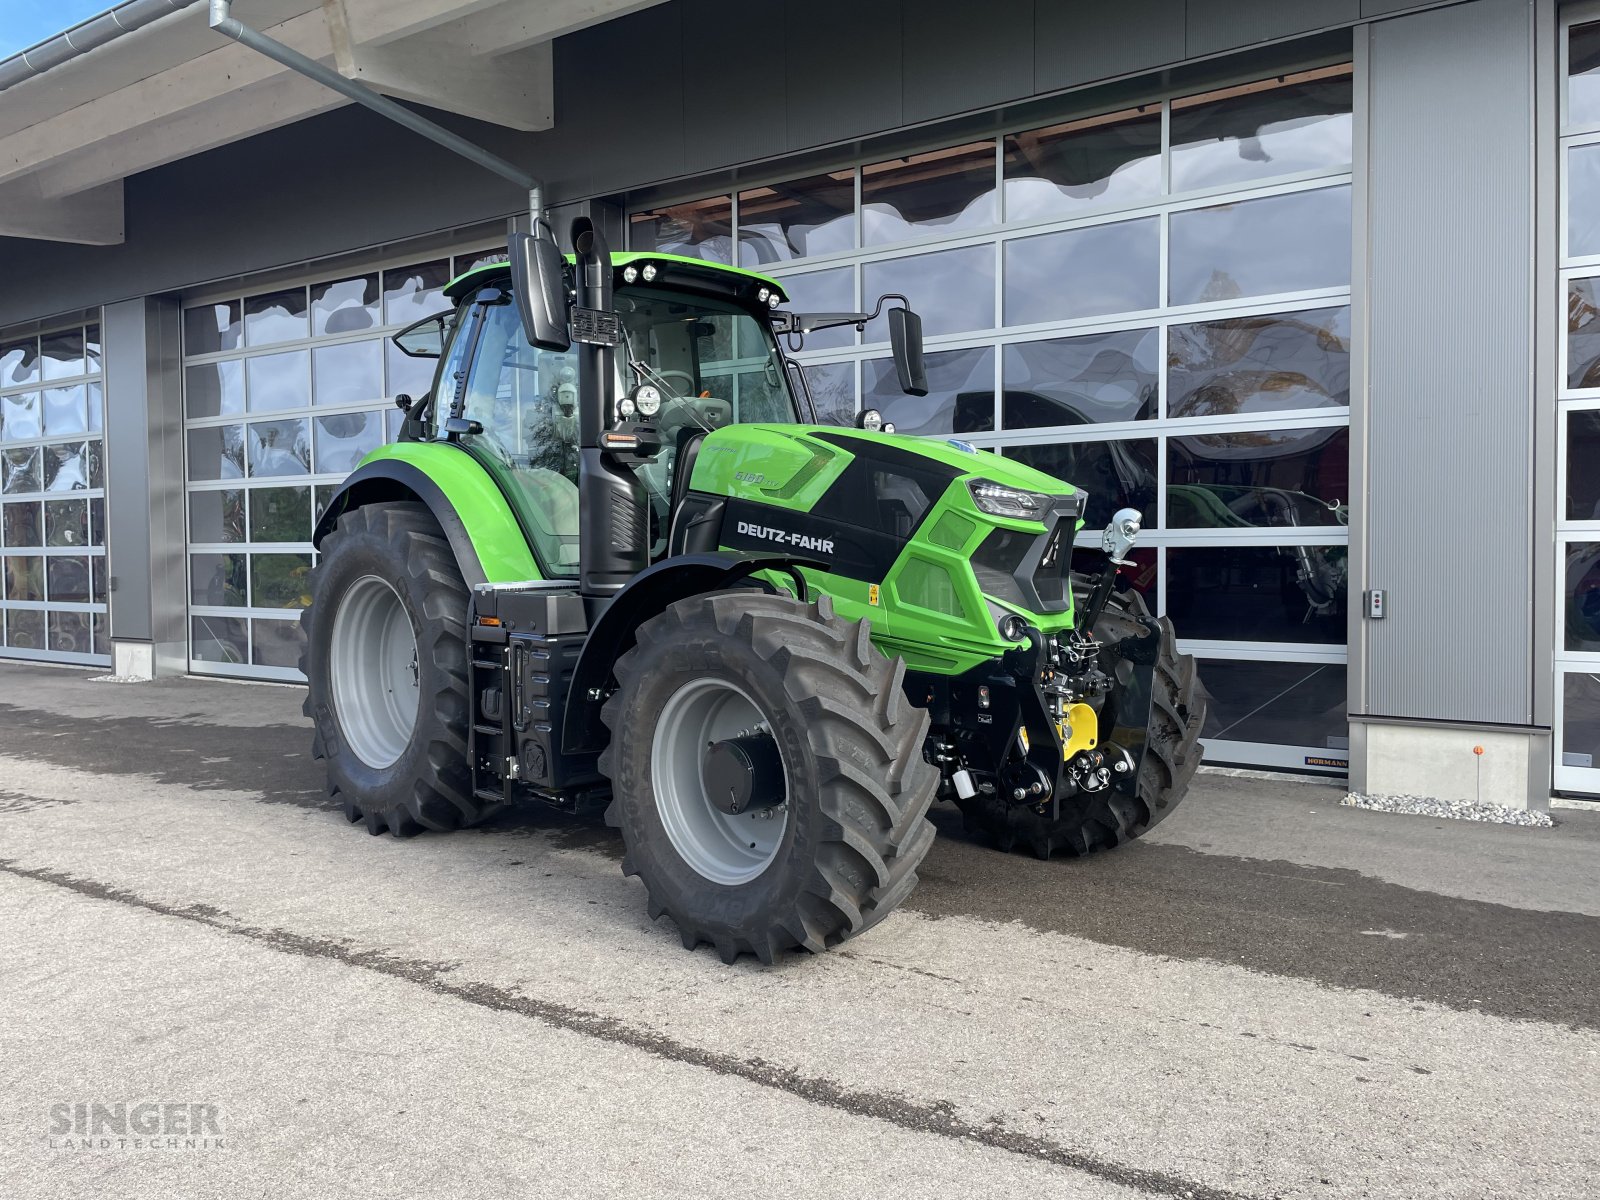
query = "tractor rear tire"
{"x": 387, "y": 584}
{"x": 842, "y": 849}
{"x": 1091, "y": 821}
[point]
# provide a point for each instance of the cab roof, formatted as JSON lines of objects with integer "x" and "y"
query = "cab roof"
{"x": 683, "y": 266}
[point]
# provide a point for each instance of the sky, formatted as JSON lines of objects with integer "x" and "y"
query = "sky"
{"x": 25, "y": 23}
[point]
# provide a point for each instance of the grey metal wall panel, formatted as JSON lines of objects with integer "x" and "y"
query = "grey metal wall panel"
{"x": 1216, "y": 25}
{"x": 958, "y": 56}
{"x": 844, "y": 69}
{"x": 735, "y": 111}
{"x": 1450, "y": 419}
{"x": 124, "y": 351}
{"x": 1079, "y": 41}
{"x": 1383, "y": 8}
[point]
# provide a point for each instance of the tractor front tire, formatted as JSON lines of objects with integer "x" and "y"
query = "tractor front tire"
{"x": 810, "y": 695}
{"x": 385, "y": 662}
{"x": 1103, "y": 820}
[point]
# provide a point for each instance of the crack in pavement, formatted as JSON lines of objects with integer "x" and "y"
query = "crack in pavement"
{"x": 937, "y": 1117}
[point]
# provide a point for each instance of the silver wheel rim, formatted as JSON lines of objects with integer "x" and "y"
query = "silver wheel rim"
{"x": 718, "y": 846}
{"x": 373, "y": 672}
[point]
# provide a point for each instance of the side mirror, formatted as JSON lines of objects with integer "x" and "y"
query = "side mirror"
{"x": 538, "y": 277}
{"x": 905, "y": 338}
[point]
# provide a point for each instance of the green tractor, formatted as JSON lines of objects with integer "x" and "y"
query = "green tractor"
{"x": 610, "y": 566}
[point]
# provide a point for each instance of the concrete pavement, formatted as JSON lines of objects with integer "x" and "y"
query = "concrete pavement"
{"x": 1272, "y": 997}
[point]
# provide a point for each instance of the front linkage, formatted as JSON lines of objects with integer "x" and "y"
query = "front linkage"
{"x": 1060, "y": 717}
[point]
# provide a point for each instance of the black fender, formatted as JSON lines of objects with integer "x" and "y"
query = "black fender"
{"x": 393, "y": 479}
{"x": 647, "y": 595}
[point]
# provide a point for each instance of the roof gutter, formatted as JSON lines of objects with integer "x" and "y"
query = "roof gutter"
{"x": 80, "y": 39}
{"x": 224, "y": 22}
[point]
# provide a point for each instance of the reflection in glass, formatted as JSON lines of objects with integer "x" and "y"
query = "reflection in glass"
{"x": 1583, "y": 75}
{"x": 1580, "y": 719}
{"x": 276, "y": 317}
{"x": 1289, "y": 704}
{"x": 217, "y": 639}
{"x": 66, "y": 523}
{"x": 348, "y": 374}
{"x": 97, "y": 405}
{"x": 1276, "y": 478}
{"x": 1081, "y": 380}
{"x": 938, "y": 192}
{"x": 280, "y": 514}
{"x": 25, "y": 629}
{"x": 344, "y": 440}
{"x": 24, "y": 577}
{"x": 1110, "y": 160}
{"x": 97, "y": 568}
{"x": 217, "y": 516}
{"x": 211, "y": 389}
{"x": 19, "y": 471}
{"x": 806, "y": 217}
{"x": 1262, "y": 364}
{"x": 97, "y": 521}
{"x": 411, "y": 293}
{"x": 91, "y": 347}
{"x": 277, "y": 381}
{"x": 62, "y": 354}
{"x": 1259, "y": 130}
{"x": 1259, "y": 593}
{"x": 960, "y": 395}
{"x": 217, "y": 579}
{"x": 409, "y": 376}
{"x": 1583, "y": 465}
{"x": 279, "y": 448}
{"x": 19, "y": 417}
{"x": 97, "y": 470}
{"x": 68, "y": 468}
{"x": 19, "y": 524}
{"x": 1288, "y": 243}
{"x": 1583, "y": 334}
{"x": 66, "y": 411}
{"x": 344, "y": 306}
{"x": 1583, "y": 597}
{"x": 824, "y": 291}
{"x": 211, "y": 328}
{"x": 280, "y": 580}
{"x": 696, "y": 229}
{"x": 952, "y": 290}
{"x": 833, "y": 392}
{"x": 276, "y": 643}
{"x": 216, "y": 453}
{"x": 1087, "y": 272}
{"x": 67, "y": 576}
{"x": 1118, "y": 474}
{"x": 1583, "y": 200}
{"x": 19, "y": 363}
{"x": 70, "y": 632}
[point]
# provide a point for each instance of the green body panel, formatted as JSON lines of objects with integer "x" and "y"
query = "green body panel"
{"x": 929, "y": 608}
{"x": 502, "y": 546}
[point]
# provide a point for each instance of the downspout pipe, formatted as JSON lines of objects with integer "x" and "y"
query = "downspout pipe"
{"x": 224, "y": 22}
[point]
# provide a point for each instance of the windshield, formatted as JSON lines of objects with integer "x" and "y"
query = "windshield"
{"x": 714, "y": 363}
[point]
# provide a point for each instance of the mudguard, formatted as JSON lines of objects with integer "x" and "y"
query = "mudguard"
{"x": 489, "y": 544}
{"x": 648, "y": 595}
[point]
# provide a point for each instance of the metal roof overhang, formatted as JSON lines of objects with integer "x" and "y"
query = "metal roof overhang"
{"x": 149, "y": 82}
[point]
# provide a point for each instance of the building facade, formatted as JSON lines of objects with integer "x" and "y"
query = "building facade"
{"x": 1313, "y": 284}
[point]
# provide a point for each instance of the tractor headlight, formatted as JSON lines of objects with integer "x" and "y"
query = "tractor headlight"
{"x": 870, "y": 419}
{"x": 648, "y": 399}
{"x": 772, "y": 300}
{"x": 629, "y": 274}
{"x": 649, "y": 272}
{"x": 1012, "y": 627}
{"x": 763, "y": 294}
{"x": 1000, "y": 501}
{"x": 625, "y": 407}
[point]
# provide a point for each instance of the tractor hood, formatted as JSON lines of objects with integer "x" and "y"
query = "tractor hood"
{"x": 900, "y": 517}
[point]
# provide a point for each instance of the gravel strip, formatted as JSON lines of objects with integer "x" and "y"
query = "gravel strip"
{"x": 1460, "y": 810}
